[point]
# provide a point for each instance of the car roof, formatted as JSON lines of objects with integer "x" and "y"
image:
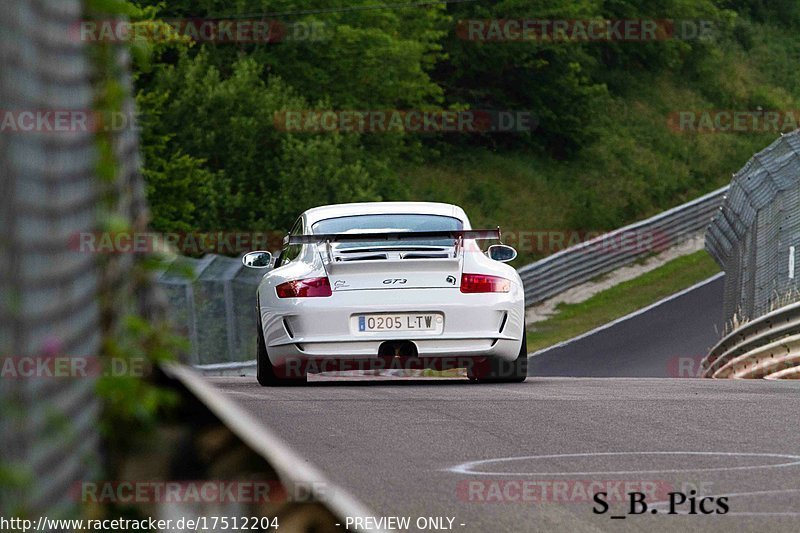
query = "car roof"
{"x": 316, "y": 214}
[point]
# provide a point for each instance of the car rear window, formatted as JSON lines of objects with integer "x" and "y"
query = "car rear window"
{"x": 390, "y": 223}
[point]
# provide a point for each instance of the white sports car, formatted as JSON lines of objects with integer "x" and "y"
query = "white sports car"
{"x": 389, "y": 285}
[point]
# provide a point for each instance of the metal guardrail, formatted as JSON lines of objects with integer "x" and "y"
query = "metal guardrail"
{"x": 293, "y": 470}
{"x": 581, "y": 263}
{"x": 768, "y": 347}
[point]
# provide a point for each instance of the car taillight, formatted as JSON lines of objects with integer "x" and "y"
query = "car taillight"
{"x": 304, "y": 288}
{"x": 472, "y": 283}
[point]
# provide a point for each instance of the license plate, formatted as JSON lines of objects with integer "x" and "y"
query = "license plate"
{"x": 398, "y": 322}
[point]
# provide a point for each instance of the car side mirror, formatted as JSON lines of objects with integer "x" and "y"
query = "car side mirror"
{"x": 502, "y": 253}
{"x": 257, "y": 259}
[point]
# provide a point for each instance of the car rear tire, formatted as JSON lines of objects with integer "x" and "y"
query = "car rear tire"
{"x": 496, "y": 370}
{"x": 266, "y": 373}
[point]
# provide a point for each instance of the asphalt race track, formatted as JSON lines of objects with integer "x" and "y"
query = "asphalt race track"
{"x": 667, "y": 340}
{"x": 529, "y": 457}
{"x": 394, "y": 445}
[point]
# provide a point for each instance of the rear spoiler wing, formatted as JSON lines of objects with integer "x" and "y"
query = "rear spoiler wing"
{"x": 456, "y": 235}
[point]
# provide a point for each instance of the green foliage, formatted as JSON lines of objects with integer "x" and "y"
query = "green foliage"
{"x": 784, "y": 13}
{"x": 600, "y": 157}
{"x": 552, "y": 80}
{"x": 251, "y": 174}
{"x": 214, "y": 159}
{"x": 360, "y": 59}
{"x": 132, "y": 405}
{"x": 183, "y": 193}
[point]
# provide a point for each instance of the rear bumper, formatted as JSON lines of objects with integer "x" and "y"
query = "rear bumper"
{"x": 475, "y": 325}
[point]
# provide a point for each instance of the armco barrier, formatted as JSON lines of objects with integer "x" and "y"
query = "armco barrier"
{"x": 768, "y": 347}
{"x": 328, "y": 504}
{"x": 581, "y": 263}
{"x": 786, "y": 373}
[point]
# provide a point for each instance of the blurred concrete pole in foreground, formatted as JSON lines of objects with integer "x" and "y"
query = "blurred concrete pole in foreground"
{"x": 50, "y": 293}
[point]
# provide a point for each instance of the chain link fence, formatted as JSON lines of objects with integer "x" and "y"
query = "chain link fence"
{"x": 212, "y": 303}
{"x": 755, "y": 235}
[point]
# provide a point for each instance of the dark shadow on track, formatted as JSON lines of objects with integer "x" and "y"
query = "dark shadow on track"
{"x": 384, "y": 382}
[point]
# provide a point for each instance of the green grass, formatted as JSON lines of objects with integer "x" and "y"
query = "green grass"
{"x": 573, "y": 319}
